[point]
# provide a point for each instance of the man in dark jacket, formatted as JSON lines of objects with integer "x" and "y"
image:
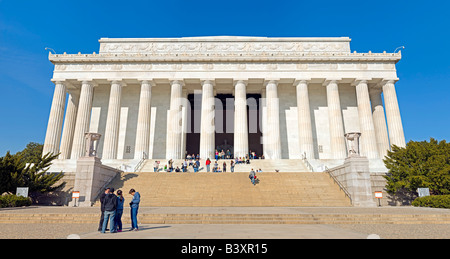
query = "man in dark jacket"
{"x": 102, "y": 208}
{"x": 110, "y": 203}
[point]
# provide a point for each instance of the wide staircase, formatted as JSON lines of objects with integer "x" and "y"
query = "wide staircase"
{"x": 283, "y": 189}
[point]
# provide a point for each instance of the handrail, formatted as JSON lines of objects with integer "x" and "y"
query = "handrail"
{"x": 306, "y": 162}
{"x": 342, "y": 187}
{"x": 141, "y": 162}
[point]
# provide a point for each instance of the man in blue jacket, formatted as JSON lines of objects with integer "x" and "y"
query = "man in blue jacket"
{"x": 134, "y": 204}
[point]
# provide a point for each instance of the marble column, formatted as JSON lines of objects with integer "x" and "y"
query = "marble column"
{"x": 112, "y": 121}
{"x": 240, "y": 119}
{"x": 305, "y": 136}
{"x": 379, "y": 121}
{"x": 272, "y": 131}
{"x": 394, "y": 120}
{"x": 336, "y": 124}
{"x": 83, "y": 119}
{"x": 69, "y": 124}
{"x": 263, "y": 119}
{"x": 144, "y": 120}
{"x": 207, "y": 126}
{"x": 174, "y": 121}
{"x": 367, "y": 128}
{"x": 55, "y": 120}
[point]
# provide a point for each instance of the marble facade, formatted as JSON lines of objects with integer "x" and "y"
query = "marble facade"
{"x": 134, "y": 93}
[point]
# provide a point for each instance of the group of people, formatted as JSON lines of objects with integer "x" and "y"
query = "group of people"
{"x": 169, "y": 167}
{"x": 195, "y": 163}
{"x": 216, "y": 167}
{"x": 229, "y": 155}
{"x": 112, "y": 210}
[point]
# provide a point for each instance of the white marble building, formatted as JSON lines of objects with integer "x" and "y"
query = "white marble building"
{"x": 159, "y": 98}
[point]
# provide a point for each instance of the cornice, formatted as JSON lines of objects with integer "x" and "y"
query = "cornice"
{"x": 226, "y": 57}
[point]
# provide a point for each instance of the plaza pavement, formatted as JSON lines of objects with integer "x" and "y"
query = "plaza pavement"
{"x": 232, "y": 231}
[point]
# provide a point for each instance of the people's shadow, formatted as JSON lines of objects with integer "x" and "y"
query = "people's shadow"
{"x": 150, "y": 227}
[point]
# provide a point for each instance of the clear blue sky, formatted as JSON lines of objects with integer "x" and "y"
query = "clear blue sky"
{"x": 28, "y": 26}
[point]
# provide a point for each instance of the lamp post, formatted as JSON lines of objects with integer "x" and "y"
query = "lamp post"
{"x": 401, "y": 47}
{"x": 50, "y": 49}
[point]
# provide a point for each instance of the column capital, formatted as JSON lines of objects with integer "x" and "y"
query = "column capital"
{"x": 88, "y": 81}
{"x": 63, "y": 82}
{"x": 117, "y": 82}
{"x": 358, "y": 81}
{"x": 271, "y": 81}
{"x": 328, "y": 81}
{"x": 59, "y": 81}
{"x": 207, "y": 81}
{"x": 241, "y": 81}
{"x": 148, "y": 81}
{"x": 386, "y": 81}
{"x": 176, "y": 81}
{"x": 298, "y": 81}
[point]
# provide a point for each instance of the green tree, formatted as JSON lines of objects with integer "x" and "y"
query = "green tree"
{"x": 10, "y": 169}
{"x": 419, "y": 165}
{"x": 31, "y": 153}
{"x": 26, "y": 170}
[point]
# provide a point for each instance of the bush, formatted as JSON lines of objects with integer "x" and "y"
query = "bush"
{"x": 433, "y": 201}
{"x": 12, "y": 200}
{"x": 421, "y": 164}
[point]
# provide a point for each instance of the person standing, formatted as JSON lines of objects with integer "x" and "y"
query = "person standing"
{"x": 119, "y": 211}
{"x": 134, "y": 204}
{"x": 232, "y": 166}
{"x": 110, "y": 202}
{"x": 102, "y": 208}
{"x": 155, "y": 166}
{"x": 224, "y": 166}
{"x": 197, "y": 162}
{"x": 252, "y": 176}
{"x": 208, "y": 165}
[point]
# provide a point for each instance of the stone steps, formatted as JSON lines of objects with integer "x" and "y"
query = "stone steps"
{"x": 232, "y": 189}
{"x": 246, "y": 218}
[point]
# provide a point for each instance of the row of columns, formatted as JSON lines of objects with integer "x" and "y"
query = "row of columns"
{"x": 374, "y": 133}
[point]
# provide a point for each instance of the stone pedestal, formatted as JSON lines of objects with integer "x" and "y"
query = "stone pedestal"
{"x": 91, "y": 177}
{"x": 356, "y": 178}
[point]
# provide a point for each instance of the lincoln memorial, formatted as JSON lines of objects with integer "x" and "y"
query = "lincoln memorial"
{"x": 279, "y": 98}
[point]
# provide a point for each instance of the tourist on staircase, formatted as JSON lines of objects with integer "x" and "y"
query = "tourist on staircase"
{"x": 252, "y": 176}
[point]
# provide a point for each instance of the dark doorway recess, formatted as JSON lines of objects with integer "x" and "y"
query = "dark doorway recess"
{"x": 254, "y": 123}
{"x": 224, "y": 123}
{"x": 193, "y": 124}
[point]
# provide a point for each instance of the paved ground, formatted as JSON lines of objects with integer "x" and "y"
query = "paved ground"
{"x": 228, "y": 231}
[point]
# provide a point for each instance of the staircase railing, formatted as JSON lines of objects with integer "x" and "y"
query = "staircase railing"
{"x": 141, "y": 162}
{"x": 341, "y": 186}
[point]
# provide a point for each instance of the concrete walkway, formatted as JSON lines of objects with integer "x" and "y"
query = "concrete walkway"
{"x": 227, "y": 231}
{"x": 232, "y": 231}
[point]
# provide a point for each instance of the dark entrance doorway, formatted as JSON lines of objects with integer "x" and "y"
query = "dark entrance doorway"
{"x": 254, "y": 123}
{"x": 224, "y": 123}
{"x": 193, "y": 124}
